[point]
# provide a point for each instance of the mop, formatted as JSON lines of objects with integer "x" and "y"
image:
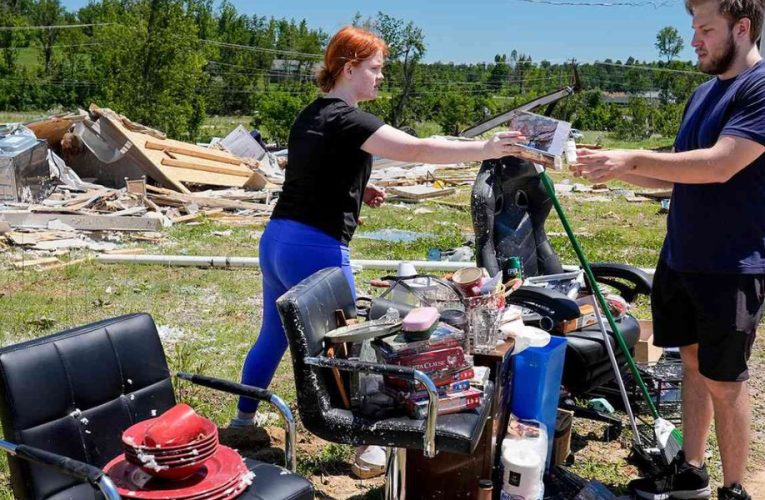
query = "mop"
{"x": 668, "y": 438}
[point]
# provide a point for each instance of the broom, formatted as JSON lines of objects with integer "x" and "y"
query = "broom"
{"x": 668, "y": 437}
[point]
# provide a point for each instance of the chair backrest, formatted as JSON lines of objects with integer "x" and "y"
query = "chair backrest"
{"x": 308, "y": 313}
{"x": 74, "y": 392}
{"x": 509, "y": 209}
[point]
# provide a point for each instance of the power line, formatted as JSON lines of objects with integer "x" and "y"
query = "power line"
{"x": 261, "y": 49}
{"x": 650, "y": 68}
{"x": 655, "y": 5}
{"x": 55, "y": 26}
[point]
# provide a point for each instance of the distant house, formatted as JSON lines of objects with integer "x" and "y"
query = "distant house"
{"x": 291, "y": 69}
{"x": 624, "y": 97}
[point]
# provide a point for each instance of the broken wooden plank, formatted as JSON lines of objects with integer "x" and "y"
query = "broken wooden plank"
{"x": 196, "y": 153}
{"x": 197, "y": 215}
{"x": 35, "y": 262}
{"x": 169, "y": 162}
{"x": 81, "y": 222}
{"x": 126, "y": 251}
{"x": 420, "y": 192}
{"x": 166, "y": 195}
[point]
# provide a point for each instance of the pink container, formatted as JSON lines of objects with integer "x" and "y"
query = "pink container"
{"x": 420, "y": 323}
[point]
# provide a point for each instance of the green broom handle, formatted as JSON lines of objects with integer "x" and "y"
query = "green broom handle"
{"x": 598, "y": 294}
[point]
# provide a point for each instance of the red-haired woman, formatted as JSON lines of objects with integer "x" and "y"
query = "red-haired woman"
{"x": 330, "y": 146}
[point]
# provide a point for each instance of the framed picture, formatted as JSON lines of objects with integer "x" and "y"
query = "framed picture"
{"x": 546, "y": 136}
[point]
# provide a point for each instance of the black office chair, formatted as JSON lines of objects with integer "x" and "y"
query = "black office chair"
{"x": 66, "y": 398}
{"x": 308, "y": 313}
{"x": 509, "y": 210}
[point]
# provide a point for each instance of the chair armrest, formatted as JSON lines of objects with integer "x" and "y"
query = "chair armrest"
{"x": 429, "y": 439}
{"x": 611, "y": 274}
{"x": 80, "y": 470}
{"x": 548, "y": 303}
{"x": 252, "y": 392}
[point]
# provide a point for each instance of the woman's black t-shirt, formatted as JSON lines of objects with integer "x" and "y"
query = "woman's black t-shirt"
{"x": 327, "y": 171}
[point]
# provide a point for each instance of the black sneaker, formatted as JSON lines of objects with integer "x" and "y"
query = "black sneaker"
{"x": 679, "y": 480}
{"x": 735, "y": 492}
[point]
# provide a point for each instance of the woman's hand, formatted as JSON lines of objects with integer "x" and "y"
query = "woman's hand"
{"x": 504, "y": 144}
{"x": 602, "y": 166}
{"x": 374, "y": 196}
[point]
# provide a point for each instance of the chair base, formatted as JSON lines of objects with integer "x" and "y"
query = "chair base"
{"x": 395, "y": 475}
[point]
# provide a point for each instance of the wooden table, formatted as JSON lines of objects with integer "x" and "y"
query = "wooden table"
{"x": 451, "y": 475}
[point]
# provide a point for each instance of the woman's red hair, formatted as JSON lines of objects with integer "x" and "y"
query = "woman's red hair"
{"x": 349, "y": 45}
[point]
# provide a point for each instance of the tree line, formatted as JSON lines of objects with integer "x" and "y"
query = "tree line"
{"x": 171, "y": 63}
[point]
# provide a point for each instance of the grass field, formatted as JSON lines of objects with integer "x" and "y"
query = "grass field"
{"x": 210, "y": 318}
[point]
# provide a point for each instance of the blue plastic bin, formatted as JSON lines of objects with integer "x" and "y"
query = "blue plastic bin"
{"x": 537, "y": 374}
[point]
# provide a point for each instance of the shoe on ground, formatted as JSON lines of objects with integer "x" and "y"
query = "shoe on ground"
{"x": 735, "y": 492}
{"x": 369, "y": 462}
{"x": 242, "y": 423}
{"x": 679, "y": 480}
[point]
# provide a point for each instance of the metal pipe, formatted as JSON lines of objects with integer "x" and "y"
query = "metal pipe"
{"x": 108, "y": 488}
{"x": 290, "y": 432}
{"x": 429, "y": 440}
{"x": 224, "y": 261}
{"x": 617, "y": 372}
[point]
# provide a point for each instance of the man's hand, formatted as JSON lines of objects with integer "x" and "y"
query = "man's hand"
{"x": 374, "y": 196}
{"x": 504, "y": 144}
{"x": 602, "y": 166}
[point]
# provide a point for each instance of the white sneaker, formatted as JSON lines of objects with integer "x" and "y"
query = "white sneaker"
{"x": 369, "y": 461}
{"x": 241, "y": 423}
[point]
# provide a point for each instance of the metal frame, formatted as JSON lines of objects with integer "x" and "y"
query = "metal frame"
{"x": 252, "y": 392}
{"x": 395, "y": 476}
{"x": 69, "y": 466}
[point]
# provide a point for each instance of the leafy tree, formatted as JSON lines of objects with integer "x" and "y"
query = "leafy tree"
{"x": 47, "y": 13}
{"x": 669, "y": 42}
{"x": 407, "y": 46}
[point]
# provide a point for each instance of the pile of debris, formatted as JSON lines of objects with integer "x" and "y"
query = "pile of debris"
{"x": 83, "y": 180}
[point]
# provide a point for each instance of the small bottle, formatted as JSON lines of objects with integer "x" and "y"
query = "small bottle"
{"x": 570, "y": 151}
{"x": 485, "y": 489}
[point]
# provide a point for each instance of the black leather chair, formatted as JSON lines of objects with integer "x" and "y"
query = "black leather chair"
{"x": 308, "y": 313}
{"x": 509, "y": 210}
{"x": 66, "y": 398}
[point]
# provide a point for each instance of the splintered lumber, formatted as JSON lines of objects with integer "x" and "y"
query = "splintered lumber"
{"x": 173, "y": 198}
{"x": 196, "y": 153}
{"x": 36, "y": 262}
{"x": 81, "y": 222}
{"x": 419, "y": 192}
{"x": 169, "y": 162}
{"x": 149, "y": 152}
{"x": 197, "y": 215}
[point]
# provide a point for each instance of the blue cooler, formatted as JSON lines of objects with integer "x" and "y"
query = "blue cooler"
{"x": 537, "y": 374}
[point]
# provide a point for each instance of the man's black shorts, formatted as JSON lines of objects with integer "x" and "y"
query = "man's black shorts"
{"x": 720, "y": 312}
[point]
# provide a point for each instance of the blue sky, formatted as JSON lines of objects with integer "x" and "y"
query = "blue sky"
{"x": 475, "y": 30}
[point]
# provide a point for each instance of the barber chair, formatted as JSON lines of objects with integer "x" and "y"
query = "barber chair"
{"x": 509, "y": 209}
{"x": 66, "y": 398}
{"x": 308, "y": 312}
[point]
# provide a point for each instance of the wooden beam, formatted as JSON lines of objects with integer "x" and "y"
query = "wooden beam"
{"x": 189, "y": 151}
{"x": 197, "y": 215}
{"x": 173, "y": 198}
{"x": 36, "y": 262}
{"x": 169, "y": 162}
{"x": 82, "y": 222}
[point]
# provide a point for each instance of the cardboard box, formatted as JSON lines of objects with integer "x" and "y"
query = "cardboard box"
{"x": 586, "y": 318}
{"x": 645, "y": 351}
{"x": 562, "y": 439}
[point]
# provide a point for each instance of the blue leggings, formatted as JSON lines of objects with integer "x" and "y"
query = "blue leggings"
{"x": 289, "y": 253}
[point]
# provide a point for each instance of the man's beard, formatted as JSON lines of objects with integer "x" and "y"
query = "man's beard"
{"x": 721, "y": 64}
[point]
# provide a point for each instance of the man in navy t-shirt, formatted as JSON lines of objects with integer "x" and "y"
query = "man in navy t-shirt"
{"x": 710, "y": 281}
